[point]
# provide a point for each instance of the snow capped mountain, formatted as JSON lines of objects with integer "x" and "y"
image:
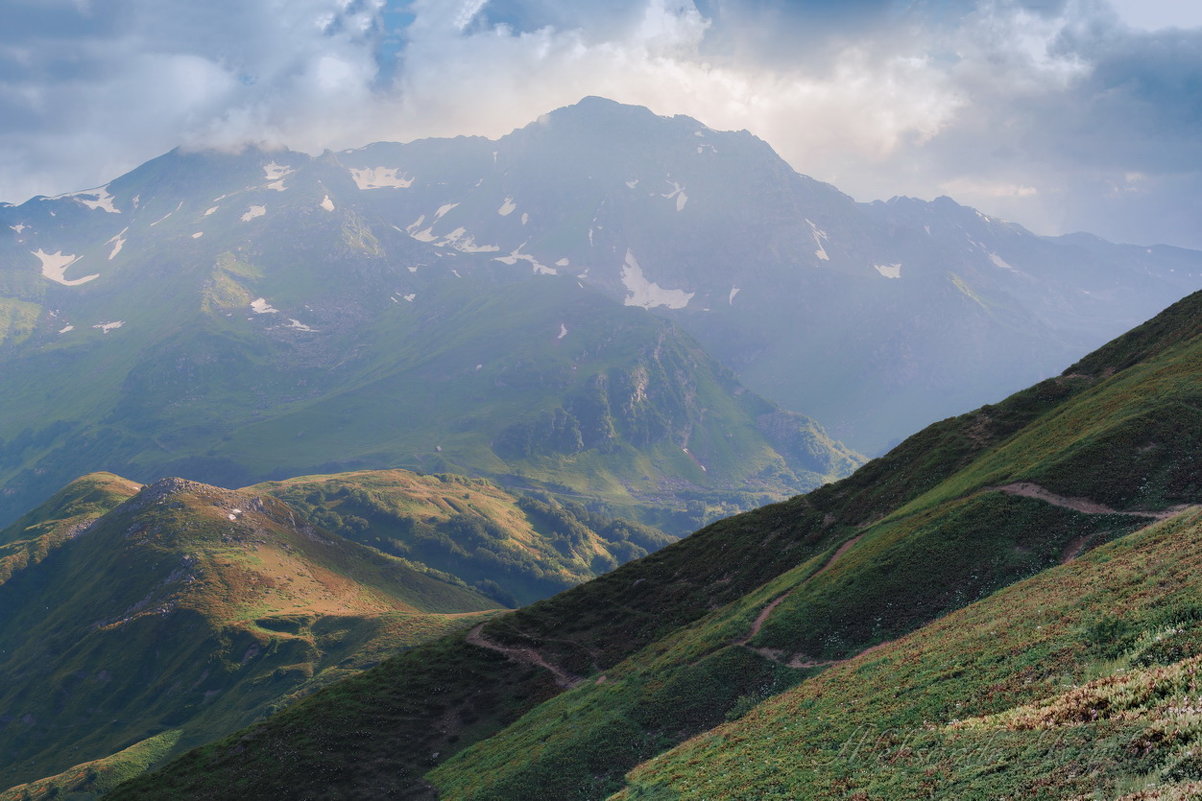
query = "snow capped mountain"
{"x": 511, "y": 300}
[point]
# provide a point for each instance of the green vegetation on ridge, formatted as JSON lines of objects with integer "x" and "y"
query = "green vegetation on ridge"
{"x": 702, "y": 630}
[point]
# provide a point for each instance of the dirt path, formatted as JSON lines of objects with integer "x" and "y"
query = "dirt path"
{"x": 526, "y": 656}
{"x": 1027, "y": 489}
{"x": 762, "y": 617}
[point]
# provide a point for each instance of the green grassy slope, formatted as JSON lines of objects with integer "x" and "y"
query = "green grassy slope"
{"x": 1078, "y": 683}
{"x": 678, "y": 636}
{"x": 515, "y": 548}
{"x": 194, "y": 608}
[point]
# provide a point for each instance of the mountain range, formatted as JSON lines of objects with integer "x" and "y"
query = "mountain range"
{"x": 605, "y": 304}
{"x": 1006, "y": 604}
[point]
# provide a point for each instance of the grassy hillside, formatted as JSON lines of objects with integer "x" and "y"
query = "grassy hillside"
{"x": 563, "y": 697}
{"x": 191, "y": 608}
{"x": 514, "y": 548}
{"x": 1078, "y": 683}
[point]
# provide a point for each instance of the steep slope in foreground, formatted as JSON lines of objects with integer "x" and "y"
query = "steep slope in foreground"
{"x": 180, "y": 606}
{"x": 560, "y": 699}
{"x": 1082, "y": 682}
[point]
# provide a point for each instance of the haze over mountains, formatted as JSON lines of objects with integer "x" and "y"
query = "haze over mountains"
{"x": 221, "y": 316}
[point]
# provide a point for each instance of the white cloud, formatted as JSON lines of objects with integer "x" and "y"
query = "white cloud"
{"x": 989, "y": 101}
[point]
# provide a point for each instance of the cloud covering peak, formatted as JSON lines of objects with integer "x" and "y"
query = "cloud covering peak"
{"x": 1061, "y": 114}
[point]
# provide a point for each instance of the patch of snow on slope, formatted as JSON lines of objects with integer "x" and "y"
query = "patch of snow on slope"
{"x": 410, "y": 297}
{"x": 198, "y": 234}
{"x": 299, "y": 326}
{"x": 326, "y": 203}
{"x": 117, "y": 242}
{"x": 54, "y": 267}
{"x": 517, "y": 255}
{"x": 1000, "y": 262}
{"x": 179, "y": 206}
{"x": 277, "y": 185}
{"x": 462, "y": 241}
{"x": 253, "y": 212}
{"x": 66, "y": 328}
{"x": 98, "y": 198}
{"x": 210, "y": 210}
{"x": 413, "y": 226}
{"x": 563, "y": 331}
{"x": 106, "y": 327}
{"x": 734, "y": 290}
{"x": 274, "y": 172}
{"x": 261, "y": 306}
{"x": 443, "y": 209}
{"x": 678, "y": 193}
{"x": 381, "y": 178}
{"x": 562, "y": 263}
{"x": 889, "y": 270}
{"x": 19, "y": 227}
{"x": 525, "y": 218}
{"x": 424, "y": 236}
{"x": 819, "y": 237}
{"x": 632, "y": 183}
{"x": 507, "y": 208}
{"x": 646, "y": 293}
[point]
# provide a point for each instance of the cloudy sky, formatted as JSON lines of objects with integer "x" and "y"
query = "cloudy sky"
{"x": 1059, "y": 114}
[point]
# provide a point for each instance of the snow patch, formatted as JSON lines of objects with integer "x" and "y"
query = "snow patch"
{"x": 889, "y": 270}
{"x": 517, "y": 255}
{"x": 66, "y": 328}
{"x": 563, "y": 331}
{"x": 562, "y": 263}
{"x": 198, "y": 234}
{"x": 261, "y": 306}
{"x": 424, "y": 236}
{"x": 678, "y": 193}
{"x": 525, "y": 218}
{"x": 210, "y": 210}
{"x": 1000, "y": 262}
{"x": 253, "y": 212}
{"x": 507, "y": 208}
{"x": 106, "y": 327}
{"x": 413, "y": 226}
{"x": 19, "y": 227}
{"x": 179, "y": 206}
{"x": 381, "y": 178}
{"x": 734, "y": 290}
{"x": 326, "y": 203}
{"x": 98, "y": 198}
{"x": 646, "y": 293}
{"x": 277, "y": 185}
{"x": 274, "y": 172}
{"x": 117, "y": 242}
{"x": 299, "y": 326}
{"x": 632, "y": 183}
{"x": 819, "y": 237}
{"x": 410, "y": 297}
{"x": 462, "y": 241}
{"x": 54, "y": 267}
{"x": 443, "y": 209}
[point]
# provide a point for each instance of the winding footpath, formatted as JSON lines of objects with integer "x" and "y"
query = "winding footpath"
{"x": 1025, "y": 489}
{"x": 525, "y": 656}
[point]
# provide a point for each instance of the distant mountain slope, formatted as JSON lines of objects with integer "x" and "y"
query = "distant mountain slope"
{"x": 562, "y": 698}
{"x": 517, "y": 549}
{"x": 301, "y": 342}
{"x": 181, "y": 606}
